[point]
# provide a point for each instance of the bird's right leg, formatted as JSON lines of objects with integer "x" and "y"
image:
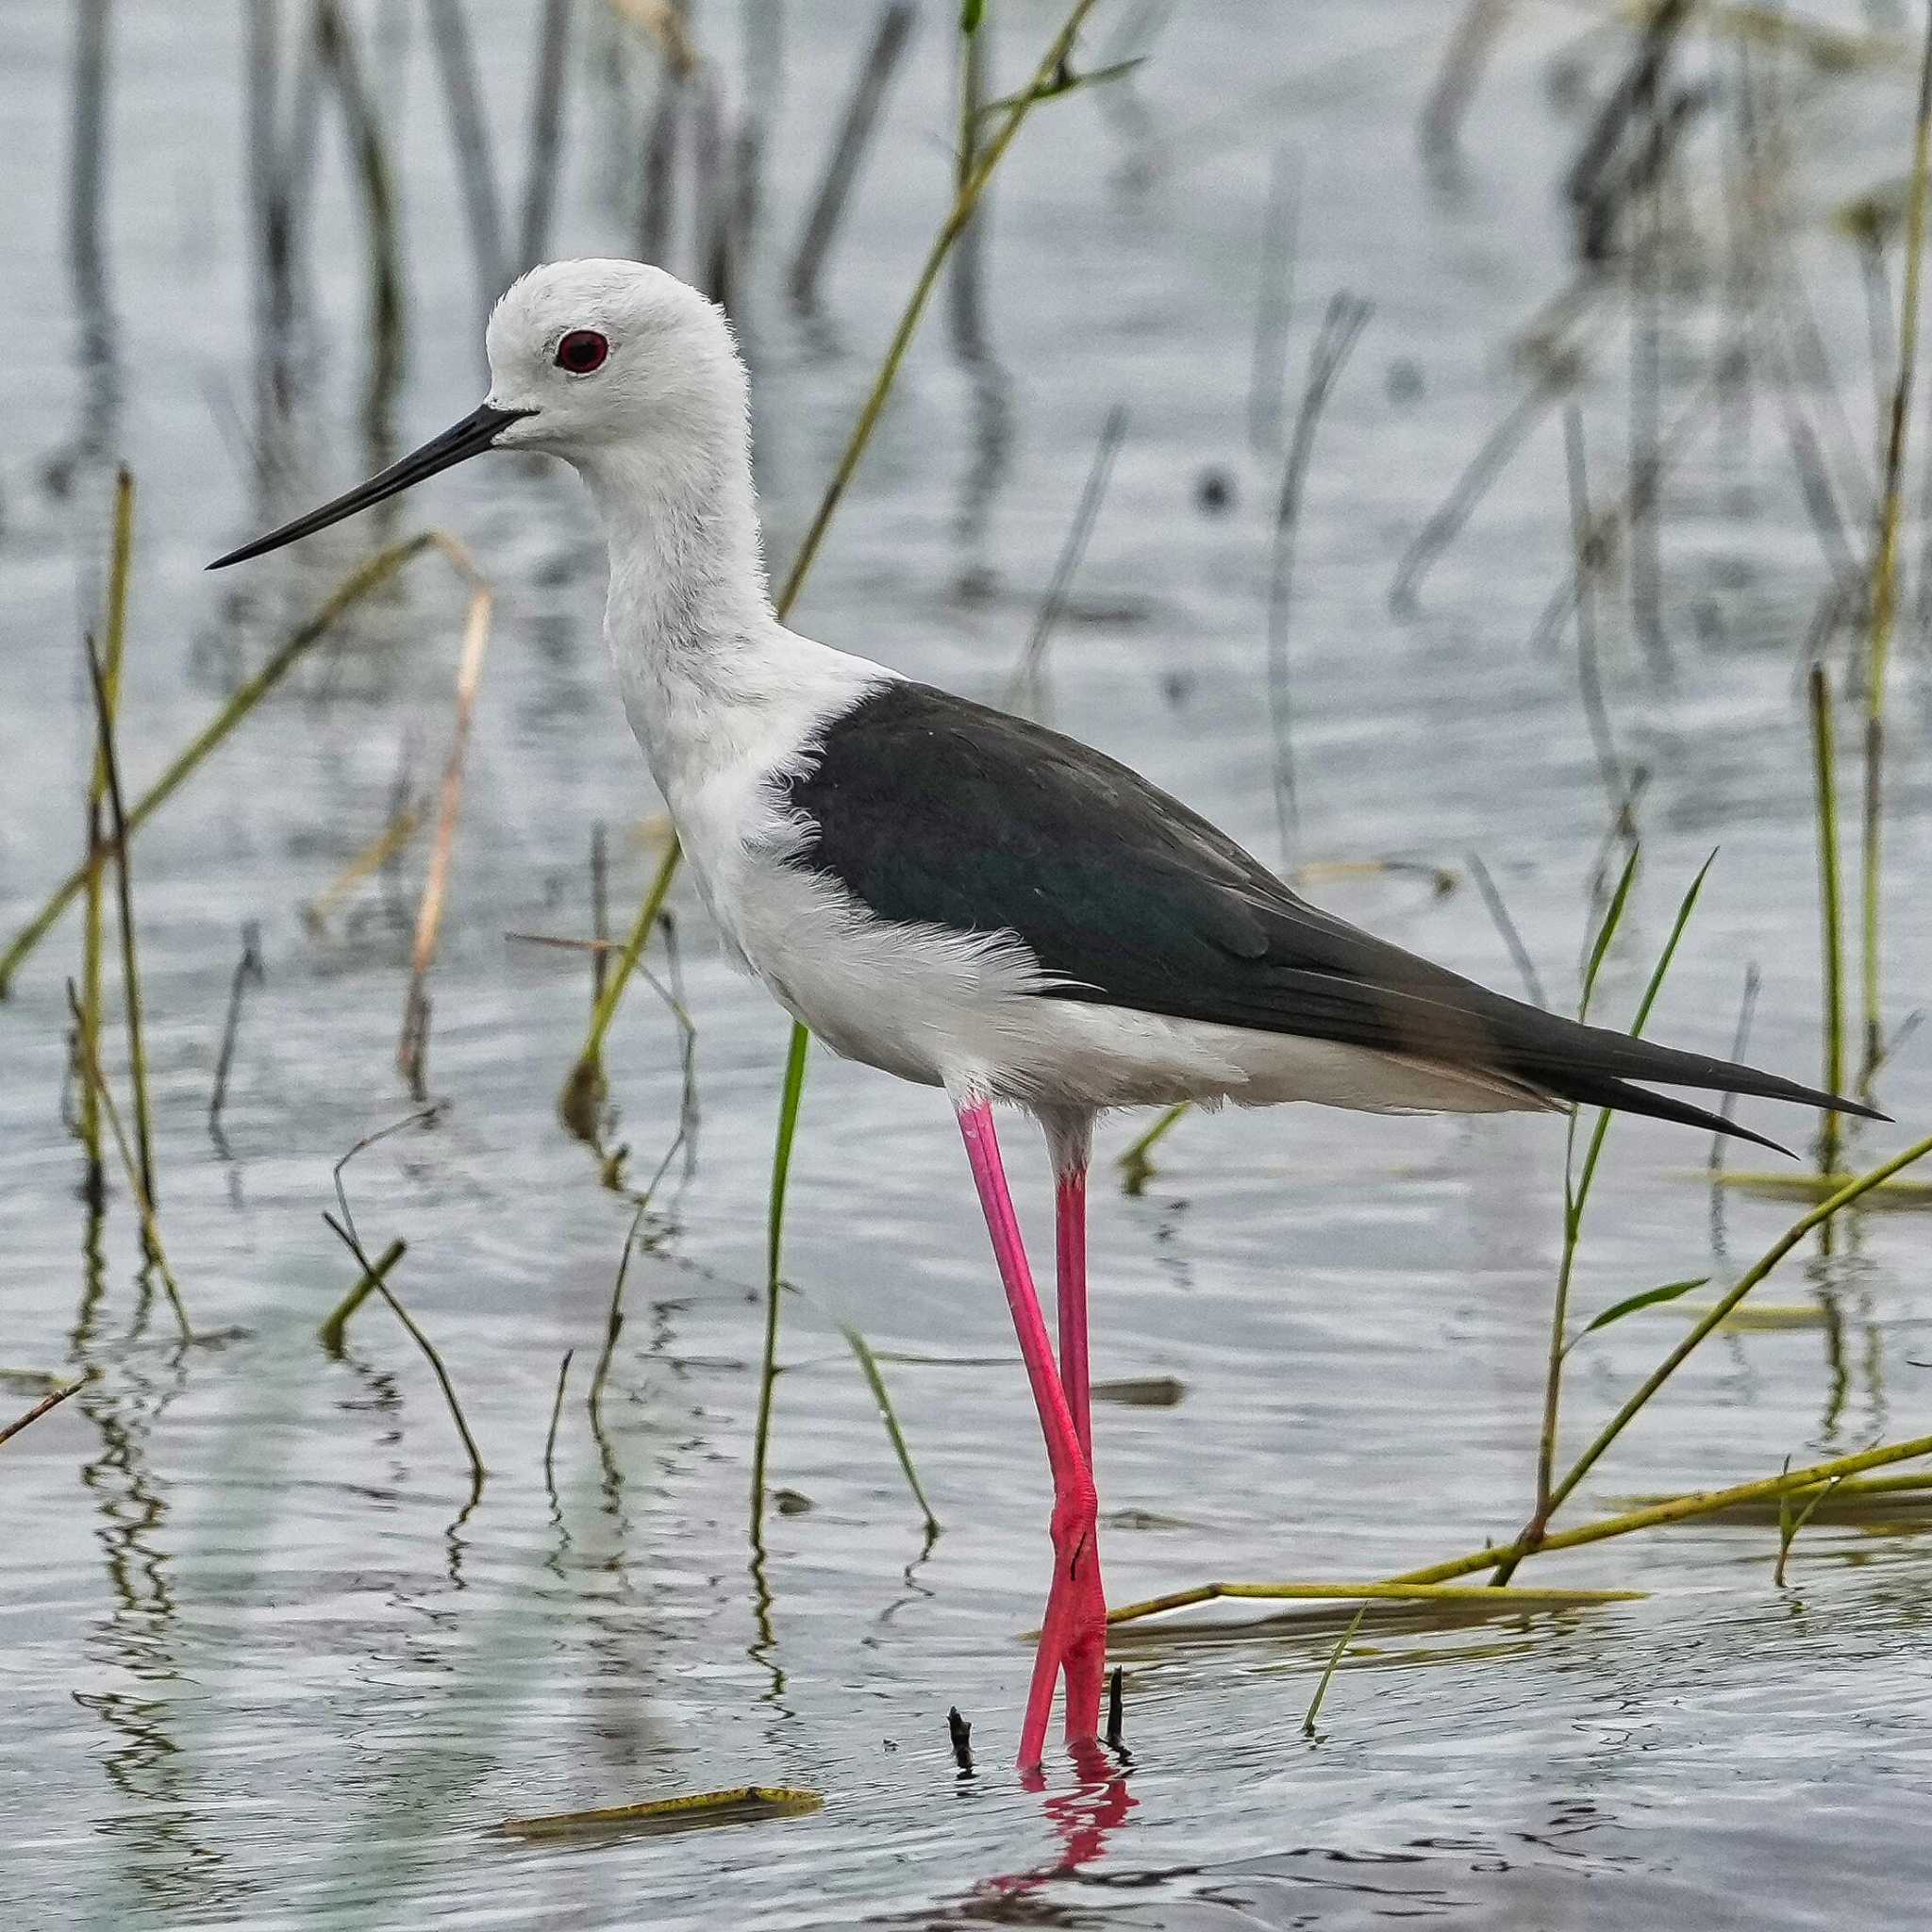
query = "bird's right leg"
{"x": 1076, "y": 1611}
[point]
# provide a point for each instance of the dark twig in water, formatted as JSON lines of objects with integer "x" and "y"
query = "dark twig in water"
{"x": 613, "y": 1322}
{"x": 53, "y": 1400}
{"x": 248, "y": 971}
{"x": 449, "y": 1389}
{"x": 1116, "y": 1708}
{"x": 1274, "y": 305}
{"x": 1591, "y": 561}
{"x": 1489, "y": 462}
{"x": 1470, "y": 47}
{"x": 1026, "y": 690}
{"x": 456, "y": 61}
{"x": 888, "y": 42}
{"x": 550, "y": 1438}
{"x": 958, "y": 1729}
{"x": 335, "y": 45}
{"x": 423, "y": 1117}
{"x": 1340, "y": 328}
{"x": 600, "y": 913}
{"x": 965, "y": 280}
{"x": 547, "y": 90}
{"x": 1513, "y": 939}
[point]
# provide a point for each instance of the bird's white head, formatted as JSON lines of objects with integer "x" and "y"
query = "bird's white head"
{"x": 618, "y": 368}
{"x": 591, "y": 355}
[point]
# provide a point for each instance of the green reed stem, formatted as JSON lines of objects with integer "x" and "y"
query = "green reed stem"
{"x": 1711, "y": 1319}
{"x": 150, "y": 1229}
{"x": 119, "y": 559}
{"x": 1342, "y": 1644}
{"x": 334, "y": 1331}
{"x": 583, "y": 1091}
{"x": 130, "y": 967}
{"x": 869, "y": 1365}
{"x": 1831, "y": 912}
{"x": 775, "y": 1246}
{"x": 1134, "y": 1164}
{"x": 1577, "y": 1195}
{"x": 364, "y": 578}
{"x": 991, "y": 152}
{"x": 1678, "y": 1509}
{"x": 1884, "y": 566}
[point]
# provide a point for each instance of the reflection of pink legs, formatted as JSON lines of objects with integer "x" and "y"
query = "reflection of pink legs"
{"x": 1074, "y": 1635}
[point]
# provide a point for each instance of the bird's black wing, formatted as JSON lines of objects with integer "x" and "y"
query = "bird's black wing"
{"x": 931, "y": 809}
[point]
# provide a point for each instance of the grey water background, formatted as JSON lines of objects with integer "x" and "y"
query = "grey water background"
{"x": 263, "y": 1667}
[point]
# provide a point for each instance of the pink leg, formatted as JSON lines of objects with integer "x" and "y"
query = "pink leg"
{"x": 1087, "y": 1661}
{"x": 1074, "y": 1635}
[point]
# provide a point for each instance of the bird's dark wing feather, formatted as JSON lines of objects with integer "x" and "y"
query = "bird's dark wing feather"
{"x": 929, "y": 809}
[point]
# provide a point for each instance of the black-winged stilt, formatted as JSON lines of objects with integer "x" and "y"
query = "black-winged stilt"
{"x": 960, "y": 897}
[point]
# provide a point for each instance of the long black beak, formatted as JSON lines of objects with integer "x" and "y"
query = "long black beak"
{"x": 475, "y": 433}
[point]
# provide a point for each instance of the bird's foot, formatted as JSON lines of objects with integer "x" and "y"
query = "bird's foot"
{"x": 1072, "y": 1637}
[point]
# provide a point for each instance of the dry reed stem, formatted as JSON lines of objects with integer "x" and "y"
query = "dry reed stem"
{"x": 52, "y": 1400}
{"x": 412, "y": 1047}
{"x": 365, "y": 577}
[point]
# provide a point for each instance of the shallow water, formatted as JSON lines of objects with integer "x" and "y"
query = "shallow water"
{"x": 268, "y": 1664}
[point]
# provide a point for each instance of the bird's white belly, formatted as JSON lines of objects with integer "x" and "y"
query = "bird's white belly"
{"x": 968, "y": 1013}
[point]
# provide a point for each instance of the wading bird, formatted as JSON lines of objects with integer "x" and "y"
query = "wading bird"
{"x": 960, "y": 897}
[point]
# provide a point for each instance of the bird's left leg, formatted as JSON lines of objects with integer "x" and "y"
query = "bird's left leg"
{"x": 1070, "y": 1140}
{"x": 1075, "y": 1627}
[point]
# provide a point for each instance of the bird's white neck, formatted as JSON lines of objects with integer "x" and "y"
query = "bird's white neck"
{"x": 710, "y": 678}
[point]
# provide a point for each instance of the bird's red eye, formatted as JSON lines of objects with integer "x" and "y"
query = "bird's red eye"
{"x": 582, "y": 351}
